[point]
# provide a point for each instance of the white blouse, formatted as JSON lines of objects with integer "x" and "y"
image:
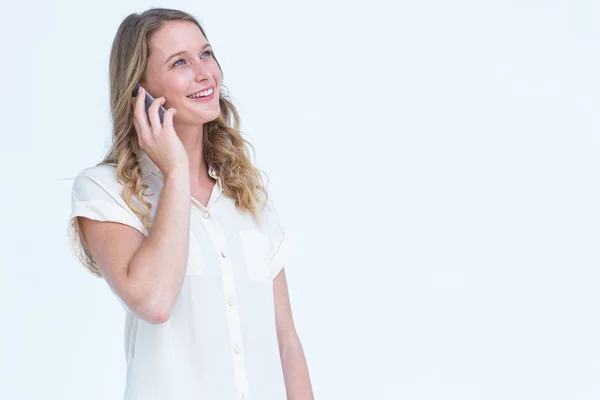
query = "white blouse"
{"x": 220, "y": 341}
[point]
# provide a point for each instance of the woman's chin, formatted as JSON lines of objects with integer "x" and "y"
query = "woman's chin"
{"x": 204, "y": 116}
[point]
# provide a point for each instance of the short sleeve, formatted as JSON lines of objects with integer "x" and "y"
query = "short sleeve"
{"x": 94, "y": 199}
{"x": 277, "y": 240}
{"x": 278, "y": 259}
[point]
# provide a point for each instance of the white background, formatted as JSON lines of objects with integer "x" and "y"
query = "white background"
{"x": 435, "y": 164}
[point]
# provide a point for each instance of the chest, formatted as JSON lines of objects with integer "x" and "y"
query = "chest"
{"x": 202, "y": 192}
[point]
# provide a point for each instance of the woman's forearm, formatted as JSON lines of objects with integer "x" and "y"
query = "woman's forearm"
{"x": 158, "y": 267}
{"x": 295, "y": 373}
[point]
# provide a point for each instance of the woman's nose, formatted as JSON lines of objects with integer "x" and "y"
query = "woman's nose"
{"x": 200, "y": 71}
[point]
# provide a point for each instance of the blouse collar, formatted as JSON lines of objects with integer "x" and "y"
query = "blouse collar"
{"x": 148, "y": 167}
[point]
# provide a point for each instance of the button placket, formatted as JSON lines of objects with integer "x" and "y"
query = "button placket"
{"x": 230, "y": 298}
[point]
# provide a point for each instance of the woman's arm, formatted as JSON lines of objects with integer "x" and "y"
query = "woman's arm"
{"x": 147, "y": 273}
{"x": 295, "y": 369}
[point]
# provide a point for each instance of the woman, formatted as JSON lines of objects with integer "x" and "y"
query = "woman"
{"x": 177, "y": 221}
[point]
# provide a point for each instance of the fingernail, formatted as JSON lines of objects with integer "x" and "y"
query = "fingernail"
{"x": 140, "y": 90}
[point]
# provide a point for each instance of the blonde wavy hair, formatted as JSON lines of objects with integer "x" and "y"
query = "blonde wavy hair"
{"x": 224, "y": 147}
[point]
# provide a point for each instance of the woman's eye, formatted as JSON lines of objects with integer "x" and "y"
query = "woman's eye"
{"x": 208, "y": 52}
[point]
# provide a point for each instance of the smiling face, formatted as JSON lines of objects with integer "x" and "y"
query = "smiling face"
{"x": 180, "y": 65}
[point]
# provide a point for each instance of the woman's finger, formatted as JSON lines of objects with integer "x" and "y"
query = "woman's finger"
{"x": 153, "y": 113}
{"x": 168, "y": 117}
{"x": 140, "y": 113}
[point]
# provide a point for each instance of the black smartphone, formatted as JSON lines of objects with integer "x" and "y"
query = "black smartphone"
{"x": 148, "y": 101}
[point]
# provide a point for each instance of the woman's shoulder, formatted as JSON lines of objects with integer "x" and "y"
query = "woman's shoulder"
{"x": 101, "y": 182}
{"x": 102, "y": 176}
{"x": 270, "y": 224}
{"x": 105, "y": 172}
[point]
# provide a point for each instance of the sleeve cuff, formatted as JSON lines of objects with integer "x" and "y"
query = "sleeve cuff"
{"x": 279, "y": 257}
{"x": 100, "y": 211}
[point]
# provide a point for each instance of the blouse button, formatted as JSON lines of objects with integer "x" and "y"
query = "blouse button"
{"x": 231, "y": 301}
{"x": 237, "y": 349}
{"x": 206, "y": 214}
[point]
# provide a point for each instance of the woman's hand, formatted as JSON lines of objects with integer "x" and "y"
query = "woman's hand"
{"x": 159, "y": 142}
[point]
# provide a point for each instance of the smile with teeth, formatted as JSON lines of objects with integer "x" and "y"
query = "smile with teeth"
{"x": 203, "y": 93}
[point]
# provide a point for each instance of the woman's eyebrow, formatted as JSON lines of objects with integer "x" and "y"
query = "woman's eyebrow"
{"x": 185, "y": 51}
